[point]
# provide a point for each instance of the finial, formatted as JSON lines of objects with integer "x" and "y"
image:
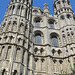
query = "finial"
{"x": 45, "y": 6}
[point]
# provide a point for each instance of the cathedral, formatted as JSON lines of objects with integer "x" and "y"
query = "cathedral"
{"x": 33, "y": 42}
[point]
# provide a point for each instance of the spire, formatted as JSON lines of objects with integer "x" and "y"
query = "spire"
{"x": 45, "y": 8}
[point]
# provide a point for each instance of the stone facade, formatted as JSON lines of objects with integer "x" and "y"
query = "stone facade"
{"x": 33, "y": 42}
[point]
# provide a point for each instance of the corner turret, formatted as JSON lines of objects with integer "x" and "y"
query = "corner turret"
{"x": 62, "y": 6}
{"x": 63, "y": 10}
{"x": 45, "y": 8}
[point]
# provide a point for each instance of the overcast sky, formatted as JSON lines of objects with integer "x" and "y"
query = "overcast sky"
{"x": 38, "y": 3}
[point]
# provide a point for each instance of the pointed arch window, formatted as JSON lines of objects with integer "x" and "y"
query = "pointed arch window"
{"x": 38, "y": 38}
{"x": 37, "y": 23}
{"x": 13, "y": 7}
{"x": 21, "y": 28}
{"x": 54, "y": 41}
{"x": 51, "y": 24}
{"x": 35, "y": 11}
{"x": 62, "y": 17}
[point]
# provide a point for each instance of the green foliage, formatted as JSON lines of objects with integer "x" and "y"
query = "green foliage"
{"x": 73, "y": 69}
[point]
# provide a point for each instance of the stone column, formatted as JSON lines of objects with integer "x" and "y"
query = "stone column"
{"x": 15, "y": 10}
{"x": 64, "y": 51}
{"x": 66, "y": 37}
{"x": 28, "y": 10}
{"x": 25, "y": 62}
{"x": 62, "y": 5}
{"x": 21, "y": 55}
{"x": 30, "y": 1}
{"x": 68, "y": 48}
{"x": 74, "y": 49}
{"x": 31, "y": 65}
{"x": 50, "y": 72}
{"x": 72, "y": 20}
{"x": 19, "y": 11}
{"x": 71, "y": 62}
{"x": 66, "y": 20}
{"x": 5, "y": 26}
{"x": 39, "y": 64}
{"x": 58, "y": 67}
{"x": 23, "y": 13}
{"x": 5, "y": 52}
{"x": 11, "y": 26}
{"x": 71, "y": 59}
{"x": 12, "y": 56}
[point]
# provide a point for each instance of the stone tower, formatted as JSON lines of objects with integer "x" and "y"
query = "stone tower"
{"x": 54, "y": 39}
{"x": 15, "y": 38}
{"x": 33, "y": 42}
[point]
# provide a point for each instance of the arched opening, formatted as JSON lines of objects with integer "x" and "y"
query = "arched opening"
{"x": 15, "y": 72}
{"x": 53, "y": 51}
{"x": 8, "y": 52}
{"x": 18, "y": 54}
{"x": 37, "y": 38}
{"x": 51, "y": 23}
{"x": 37, "y": 21}
{"x": 11, "y": 39}
{"x": 54, "y": 39}
{"x": 59, "y": 52}
{"x": 10, "y": 10}
{"x": 18, "y": 9}
{"x": 68, "y": 16}
{"x": 14, "y": 28}
{"x": 35, "y": 11}
{"x": 21, "y": 28}
{"x": 62, "y": 17}
{"x": 13, "y": 7}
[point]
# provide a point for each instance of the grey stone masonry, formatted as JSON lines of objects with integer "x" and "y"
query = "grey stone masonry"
{"x": 33, "y": 42}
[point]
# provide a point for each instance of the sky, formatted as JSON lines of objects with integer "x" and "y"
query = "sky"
{"x": 38, "y": 3}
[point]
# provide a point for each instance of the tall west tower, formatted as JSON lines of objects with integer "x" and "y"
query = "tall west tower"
{"x": 15, "y": 38}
